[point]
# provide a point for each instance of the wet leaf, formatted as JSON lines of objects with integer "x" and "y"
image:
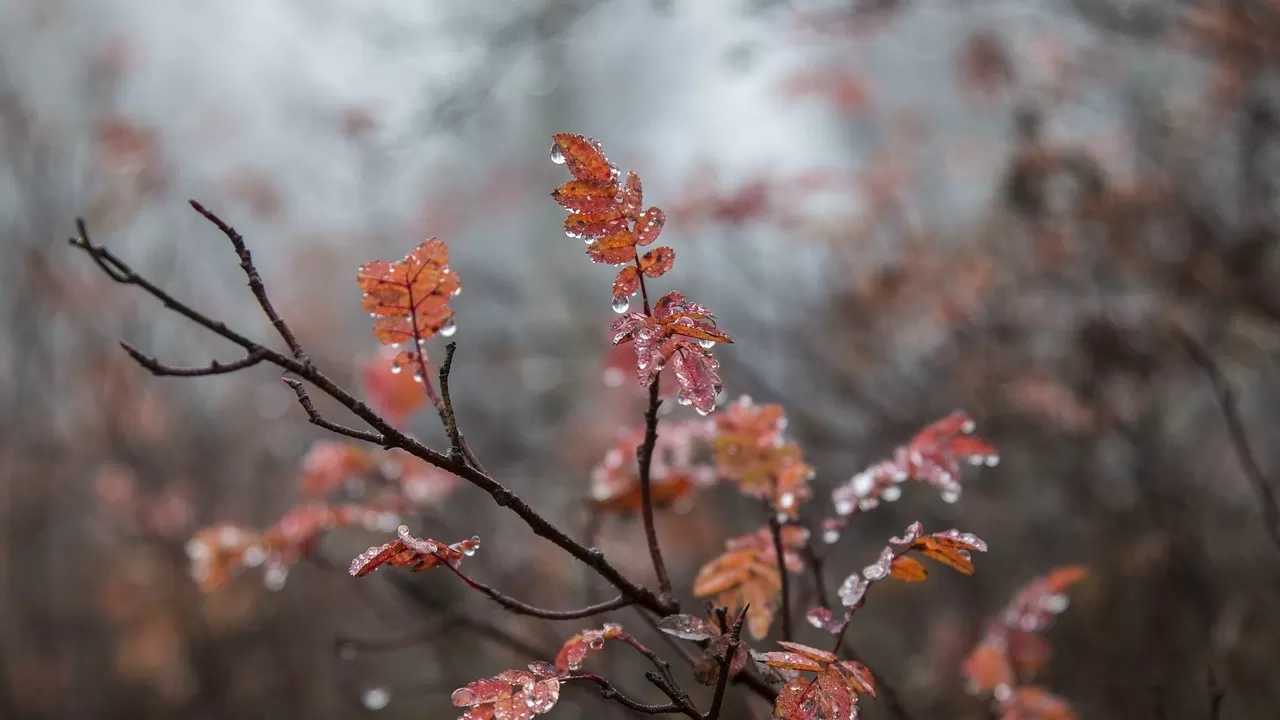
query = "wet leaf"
{"x": 584, "y": 158}
{"x": 657, "y": 262}
{"x": 409, "y": 298}
{"x": 908, "y": 569}
{"x": 411, "y": 552}
{"x": 575, "y": 649}
{"x": 688, "y": 627}
{"x": 748, "y": 573}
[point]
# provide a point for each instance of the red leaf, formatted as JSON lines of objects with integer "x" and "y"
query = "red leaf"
{"x": 584, "y": 158}
{"x": 408, "y": 298}
{"x": 575, "y": 648}
{"x": 626, "y": 284}
{"x": 584, "y": 197}
{"x": 615, "y": 249}
{"x": 658, "y": 262}
{"x": 632, "y": 197}
{"x": 649, "y": 225}
{"x": 589, "y": 226}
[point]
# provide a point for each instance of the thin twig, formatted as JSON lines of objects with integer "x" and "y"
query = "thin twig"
{"x": 726, "y": 663}
{"x": 607, "y": 690}
{"x": 1230, "y": 407}
{"x": 775, "y": 528}
{"x": 255, "y": 282}
{"x": 317, "y": 419}
{"x": 523, "y": 608}
{"x": 213, "y": 368}
{"x": 446, "y": 405}
{"x": 390, "y": 437}
{"x": 815, "y": 563}
{"x": 644, "y": 458}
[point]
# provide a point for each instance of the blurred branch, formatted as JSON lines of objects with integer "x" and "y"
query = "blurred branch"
{"x": 522, "y": 608}
{"x": 1229, "y": 405}
{"x": 213, "y": 368}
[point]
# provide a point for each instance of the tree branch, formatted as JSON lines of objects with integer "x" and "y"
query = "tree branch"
{"x": 726, "y": 663}
{"x": 317, "y": 419}
{"x": 390, "y": 437}
{"x": 446, "y": 404}
{"x": 1230, "y": 407}
{"x": 255, "y": 282}
{"x": 522, "y": 608}
{"x": 775, "y": 528}
{"x": 644, "y": 458}
{"x": 607, "y": 690}
{"x": 213, "y": 368}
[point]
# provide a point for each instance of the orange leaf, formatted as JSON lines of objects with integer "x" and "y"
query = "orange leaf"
{"x": 626, "y": 284}
{"x": 411, "y": 552}
{"x": 748, "y": 573}
{"x": 575, "y": 649}
{"x": 615, "y": 249}
{"x": 408, "y": 298}
{"x": 649, "y": 225}
{"x": 632, "y": 197}
{"x": 658, "y": 262}
{"x": 584, "y": 197}
{"x": 589, "y": 226}
{"x": 908, "y": 569}
{"x": 584, "y": 158}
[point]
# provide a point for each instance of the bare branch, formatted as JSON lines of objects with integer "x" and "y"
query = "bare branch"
{"x": 446, "y": 404}
{"x": 775, "y": 528}
{"x": 644, "y": 458}
{"x": 726, "y": 663}
{"x": 317, "y": 419}
{"x": 1230, "y": 407}
{"x": 522, "y": 608}
{"x": 213, "y": 368}
{"x": 255, "y": 282}
{"x": 607, "y": 690}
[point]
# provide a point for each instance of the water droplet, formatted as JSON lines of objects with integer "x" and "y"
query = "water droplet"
{"x": 787, "y": 501}
{"x": 275, "y": 577}
{"x": 707, "y": 344}
{"x": 993, "y": 460}
{"x": 253, "y": 556}
{"x": 417, "y": 376}
{"x": 950, "y": 496}
{"x": 375, "y": 698}
{"x": 621, "y": 303}
{"x": 683, "y": 400}
{"x": 830, "y": 536}
{"x": 704, "y": 411}
{"x": 844, "y": 507}
{"x": 557, "y": 154}
{"x": 449, "y": 328}
{"x": 196, "y": 549}
{"x": 891, "y": 493}
{"x": 1056, "y": 603}
{"x": 395, "y": 368}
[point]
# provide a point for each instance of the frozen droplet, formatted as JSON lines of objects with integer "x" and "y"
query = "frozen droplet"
{"x": 707, "y": 344}
{"x": 557, "y": 154}
{"x": 621, "y": 303}
{"x": 375, "y": 698}
{"x": 891, "y": 493}
{"x": 275, "y": 577}
{"x": 950, "y": 496}
{"x": 348, "y": 650}
{"x": 449, "y": 328}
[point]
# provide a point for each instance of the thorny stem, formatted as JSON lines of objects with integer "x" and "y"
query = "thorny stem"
{"x": 644, "y": 458}
{"x": 1230, "y": 407}
{"x": 522, "y": 608}
{"x": 775, "y": 529}
{"x": 726, "y": 664}
{"x": 387, "y": 434}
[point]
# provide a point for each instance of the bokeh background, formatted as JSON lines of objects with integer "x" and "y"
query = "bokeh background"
{"x": 896, "y": 207}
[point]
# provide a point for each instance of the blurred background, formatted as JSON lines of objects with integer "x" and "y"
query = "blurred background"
{"x": 896, "y": 207}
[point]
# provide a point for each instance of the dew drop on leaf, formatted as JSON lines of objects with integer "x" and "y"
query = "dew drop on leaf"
{"x": 707, "y": 344}
{"x": 375, "y": 698}
{"x": 557, "y": 154}
{"x": 395, "y": 368}
{"x": 704, "y": 411}
{"x": 450, "y": 327}
{"x": 621, "y": 304}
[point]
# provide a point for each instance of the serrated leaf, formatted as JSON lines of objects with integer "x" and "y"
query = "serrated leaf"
{"x": 584, "y": 158}
{"x": 649, "y": 225}
{"x": 657, "y": 262}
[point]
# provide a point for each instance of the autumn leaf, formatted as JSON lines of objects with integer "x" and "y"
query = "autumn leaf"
{"x": 413, "y": 553}
{"x": 833, "y": 693}
{"x": 950, "y": 547}
{"x": 575, "y": 649}
{"x": 395, "y": 394}
{"x": 510, "y": 695}
{"x": 681, "y": 332}
{"x": 409, "y": 298}
{"x": 748, "y": 573}
{"x": 330, "y": 463}
{"x": 584, "y": 158}
{"x": 934, "y": 456}
{"x": 751, "y": 450}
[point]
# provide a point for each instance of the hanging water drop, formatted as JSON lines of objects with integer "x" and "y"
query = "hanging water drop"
{"x": 707, "y": 344}
{"x": 395, "y": 368}
{"x": 417, "y": 376}
{"x": 275, "y": 577}
{"x": 471, "y": 547}
{"x": 621, "y": 303}
{"x": 704, "y": 411}
{"x": 450, "y": 327}
{"x": 557, "y": 154}
{"x": 375, "y": 698}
